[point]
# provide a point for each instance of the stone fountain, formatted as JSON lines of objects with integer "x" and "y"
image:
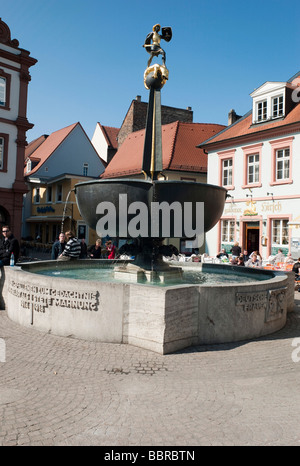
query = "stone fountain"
{"x": 154, "y": 312}
{"x": 153, "y": 192}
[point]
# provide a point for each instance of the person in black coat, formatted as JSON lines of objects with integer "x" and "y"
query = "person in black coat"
{"x": 236, "y": 250}
{"x": 8, "y": 245}
{"x": 95, "y": 251}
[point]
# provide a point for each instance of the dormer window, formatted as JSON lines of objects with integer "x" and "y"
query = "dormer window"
{"x": 269, "y": 102}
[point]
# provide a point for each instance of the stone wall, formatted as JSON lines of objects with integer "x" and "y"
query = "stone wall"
{"x": 160, "y": 319}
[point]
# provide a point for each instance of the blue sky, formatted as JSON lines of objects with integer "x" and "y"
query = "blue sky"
{"x": 91, "y": 60}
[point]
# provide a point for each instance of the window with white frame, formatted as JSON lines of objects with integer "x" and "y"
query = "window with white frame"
{"x": 2, "y": 91}
{"x": 277, "y": 106}
{"x": 227, "y": 172}
{"x": 282, "y": 164}
{"x": 280, "y": 232}
{"x": 261, "y": 110}
{"x": 1, "y": 153}
{"x": 227, "y": 231}
{"x": 85, "y": 169}
{"x": 253, "y": 168}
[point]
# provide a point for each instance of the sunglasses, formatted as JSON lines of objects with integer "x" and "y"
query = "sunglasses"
{"x": 5, "y": 231}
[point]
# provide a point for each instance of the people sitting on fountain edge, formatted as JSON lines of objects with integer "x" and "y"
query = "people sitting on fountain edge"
{"x": 111, "y": 248}
{"x": 72, "y": 248}
{"x": 8, "y": 245}
{"x": 95, "y": 251}
{"x": 58, "y": 246}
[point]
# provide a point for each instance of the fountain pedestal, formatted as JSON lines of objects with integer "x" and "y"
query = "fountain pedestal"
{"x": 135, "y": 274}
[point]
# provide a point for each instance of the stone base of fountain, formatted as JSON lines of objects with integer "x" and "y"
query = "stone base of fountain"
{"x": 136, "y": 274}
{"x": 160, "y": 318}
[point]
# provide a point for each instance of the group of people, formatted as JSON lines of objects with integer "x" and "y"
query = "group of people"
{"x": 255, "y": 259}
{"x": 68, "y": 247}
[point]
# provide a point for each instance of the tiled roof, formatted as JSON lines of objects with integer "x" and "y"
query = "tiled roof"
{"x": 179, "y": 146}
{"x": 33, "y": 145}
{"x": 244, "y": 127}
{"x": 110, "y": 134}
{"x": 50, "y": 144}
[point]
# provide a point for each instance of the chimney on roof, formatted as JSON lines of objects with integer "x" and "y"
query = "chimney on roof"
{"x": 189, "y": 108}
{"x": 138, "y": 98}
{"x": 232, "y": 117}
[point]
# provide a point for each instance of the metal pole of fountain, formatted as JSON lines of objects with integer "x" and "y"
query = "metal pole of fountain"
{"x": 155, "y": 77}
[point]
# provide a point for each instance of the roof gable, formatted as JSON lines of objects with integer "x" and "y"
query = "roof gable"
{"x": 269, "y": 86}
{"x": 111, "y": 134}
{"x": 65, "y": 150}
{"x": 48, "y": 146}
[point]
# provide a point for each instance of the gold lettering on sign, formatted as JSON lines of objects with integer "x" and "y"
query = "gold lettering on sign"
{"x": 271, "y": 206}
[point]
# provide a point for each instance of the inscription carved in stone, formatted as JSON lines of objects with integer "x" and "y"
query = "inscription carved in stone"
{"x": 39, "y": 298}
{"x": 251, "y": 301}
{"x": 271, "y": 302}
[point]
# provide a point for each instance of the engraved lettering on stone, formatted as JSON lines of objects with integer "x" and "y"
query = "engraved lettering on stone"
{"x": 252, "y": 301}
{"x": 38, "y": 298}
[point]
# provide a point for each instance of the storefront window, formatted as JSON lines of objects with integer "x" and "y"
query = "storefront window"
{"x": 227, "y": 231}
{"x": 280, "y": 232}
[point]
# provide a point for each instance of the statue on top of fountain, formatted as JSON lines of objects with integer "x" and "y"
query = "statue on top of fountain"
{"x": 155, "y": 49}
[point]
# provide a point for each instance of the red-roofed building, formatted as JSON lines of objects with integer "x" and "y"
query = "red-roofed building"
{"x": 14, "y": 78}
{"x": 181, "y": 157}
{"x": 257, "y": 159}
{"x": 53, "y": 165}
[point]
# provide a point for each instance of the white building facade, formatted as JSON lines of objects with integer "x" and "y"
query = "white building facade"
{"x": 257, "y": 159}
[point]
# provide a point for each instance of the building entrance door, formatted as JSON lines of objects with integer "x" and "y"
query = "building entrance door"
{"x": 252, "y": 237}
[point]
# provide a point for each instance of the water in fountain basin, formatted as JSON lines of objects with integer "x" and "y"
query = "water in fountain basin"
{"x": 189, "y": 277}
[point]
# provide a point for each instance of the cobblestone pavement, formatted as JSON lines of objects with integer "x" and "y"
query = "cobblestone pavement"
{"x": 62, "y": 391}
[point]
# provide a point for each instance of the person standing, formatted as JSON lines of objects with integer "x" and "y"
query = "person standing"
{"x": 72, "y": 248}
{"x": 58, "y": 247}
{"x": 8, "y": 245}
{"x": 236, "y": 250}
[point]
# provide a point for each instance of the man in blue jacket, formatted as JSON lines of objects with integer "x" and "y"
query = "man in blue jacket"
{"x": 58, "y": 246}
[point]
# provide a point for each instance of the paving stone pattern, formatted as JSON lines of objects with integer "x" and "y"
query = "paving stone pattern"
{"x": 62, "y": 391}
